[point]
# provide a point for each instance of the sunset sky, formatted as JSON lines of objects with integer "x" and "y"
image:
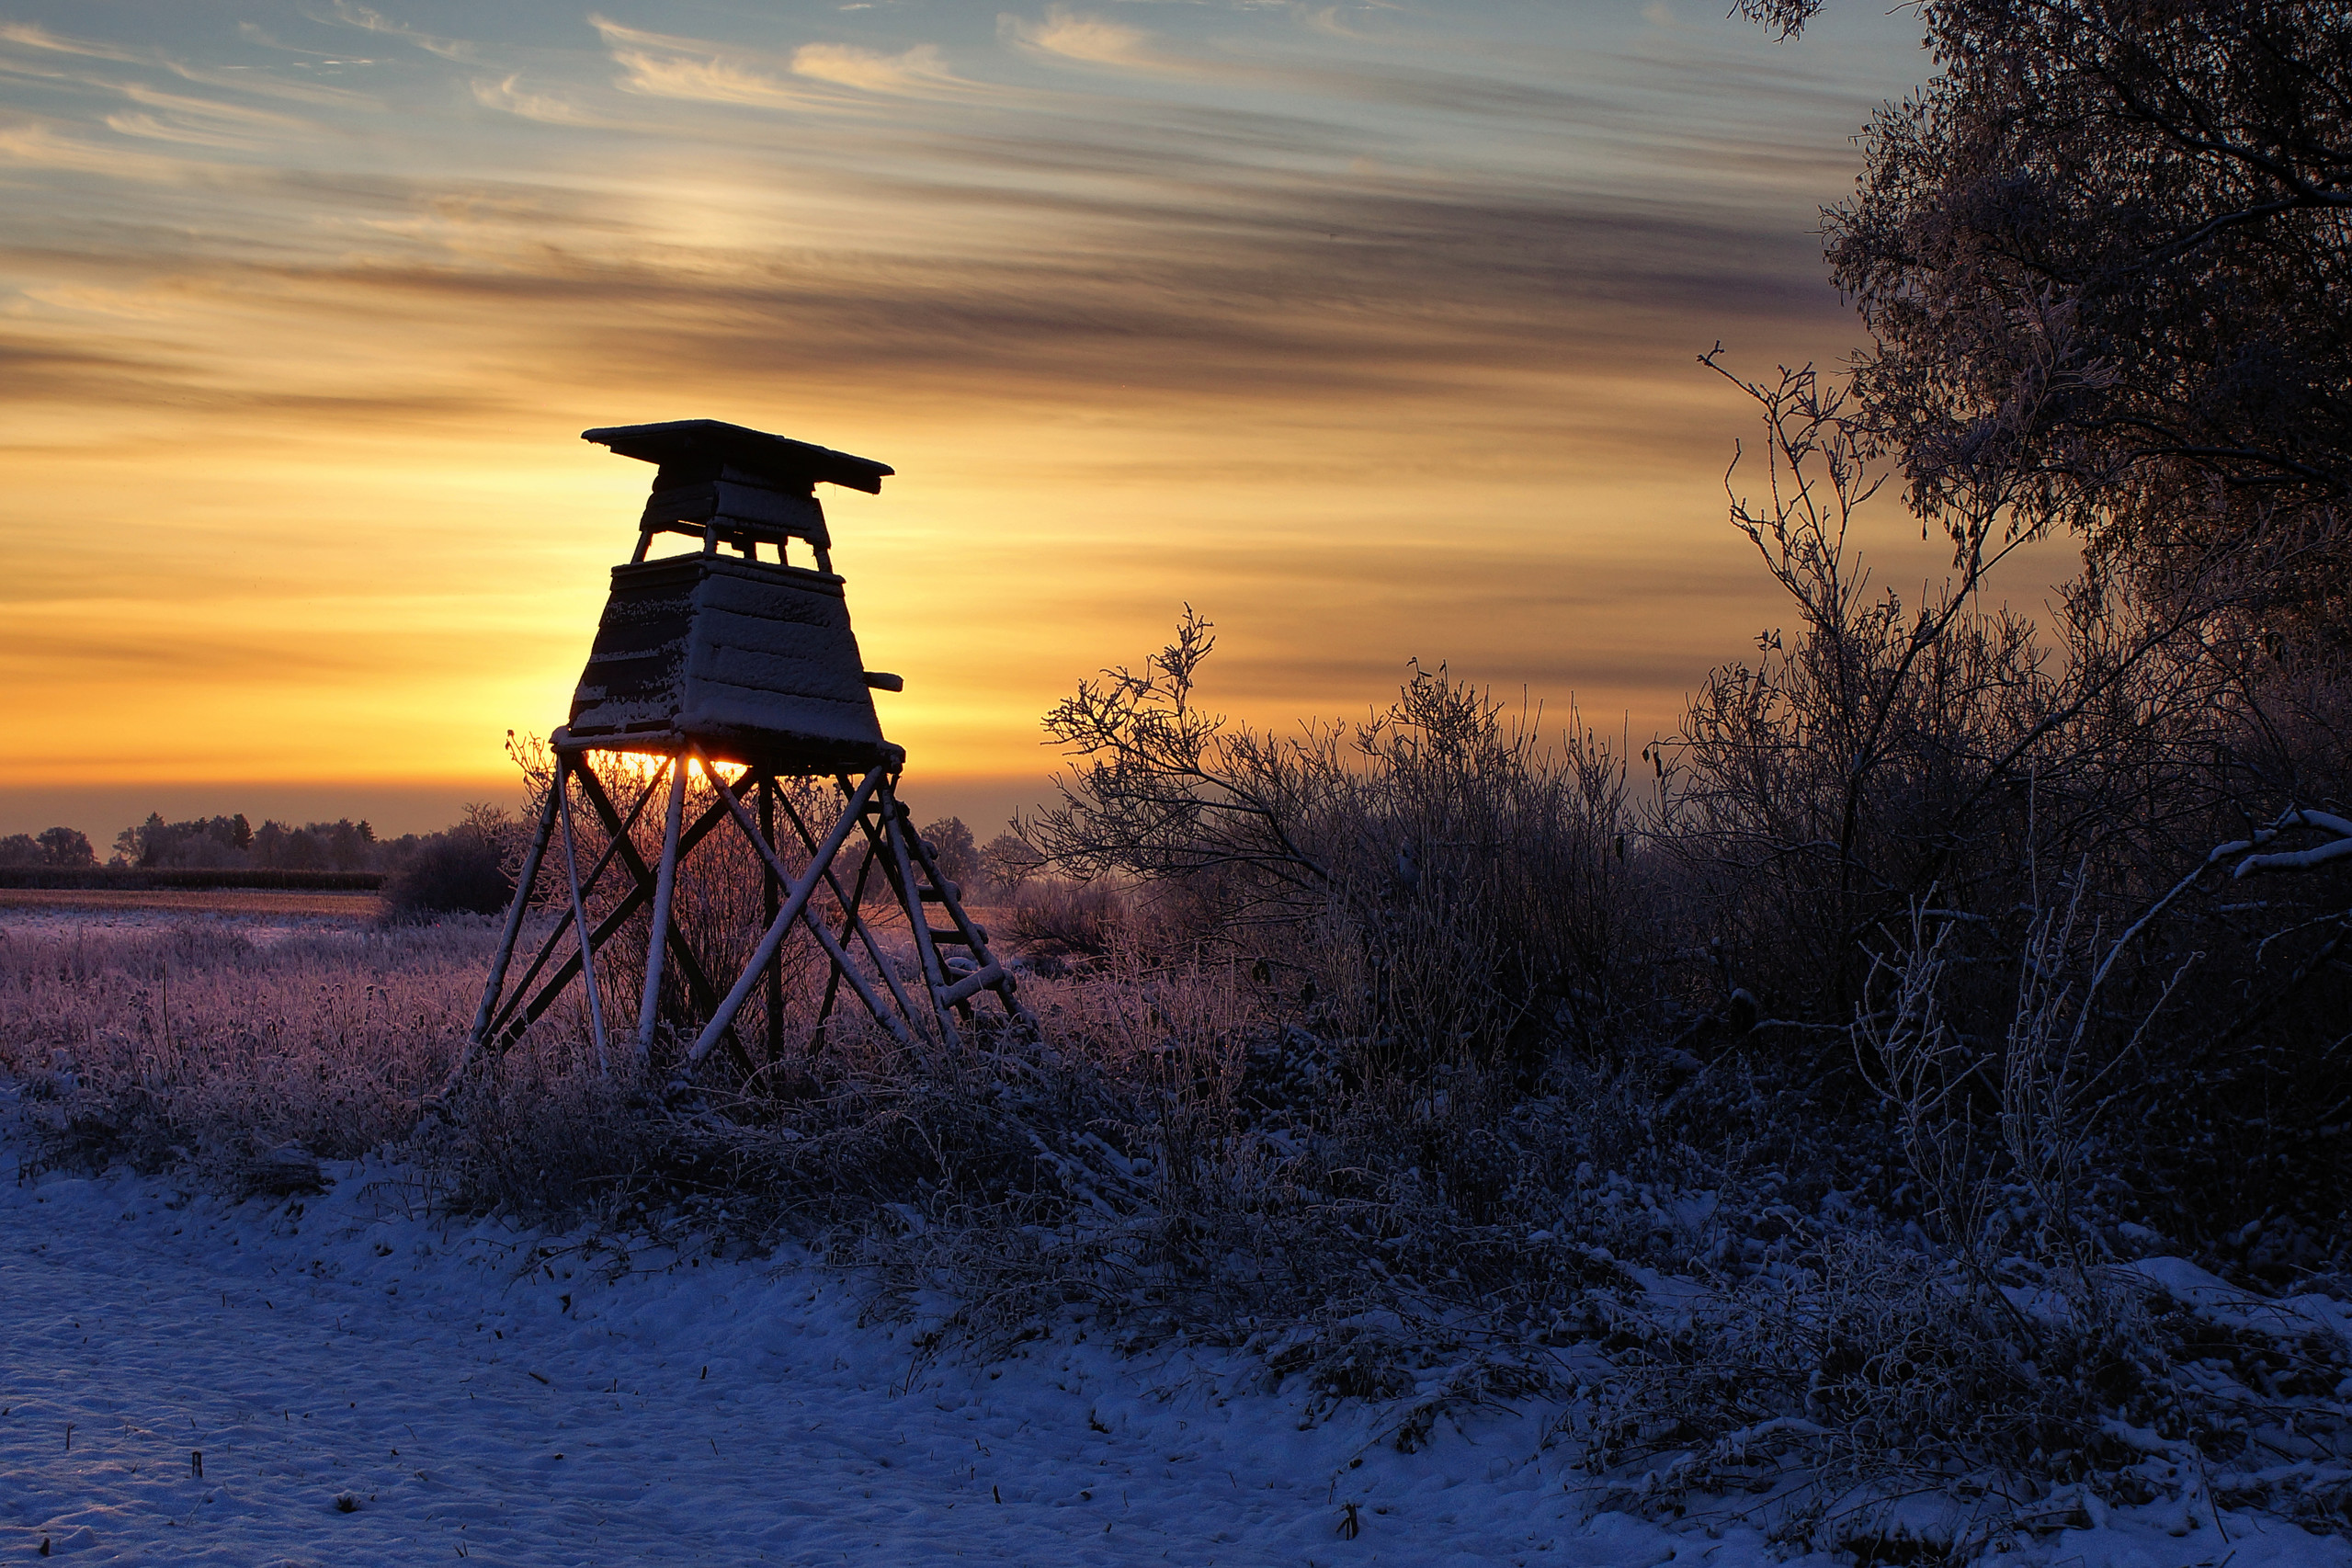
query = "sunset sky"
{"x": 1367, "y": 329}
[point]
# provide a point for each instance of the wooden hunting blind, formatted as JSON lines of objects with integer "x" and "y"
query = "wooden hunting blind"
{"x": 706, "y": 660}
{"x": 754, "y": 659}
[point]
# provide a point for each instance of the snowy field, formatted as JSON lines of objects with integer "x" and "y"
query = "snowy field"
{"x": 476, "y": 1391}
{"x": 472, "y": 1389}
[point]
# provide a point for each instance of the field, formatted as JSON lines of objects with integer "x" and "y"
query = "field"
{"x": 609, "y": 1396}
{"x": 1104, "y": 1320}
{"x": 359, "y": 1374}
{"x": 1866, "y": 1089}
{"x": 31, "y": 908}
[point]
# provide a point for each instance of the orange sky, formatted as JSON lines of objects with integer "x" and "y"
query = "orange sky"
{"x": 1368, "y": 330}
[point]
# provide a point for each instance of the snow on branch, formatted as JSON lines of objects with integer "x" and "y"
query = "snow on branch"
{"x": 2337, "y": 849}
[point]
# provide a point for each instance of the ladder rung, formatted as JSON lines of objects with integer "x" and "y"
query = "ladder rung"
{"x": 971, "y": 984}
{"x": 981, "y": 932}
{"x": 933, "y": 895}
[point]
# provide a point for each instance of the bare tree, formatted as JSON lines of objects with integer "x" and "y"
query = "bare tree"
{"x": 2105, "y": 253}
{"x": 1165, "y": 791}
{"x": 1878, "y": 750}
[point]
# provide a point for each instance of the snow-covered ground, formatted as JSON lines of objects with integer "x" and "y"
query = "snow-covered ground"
{"x": 474, "y": 1390}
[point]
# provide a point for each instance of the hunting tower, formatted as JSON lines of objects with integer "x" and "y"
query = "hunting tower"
{"x": 742, "y": 668}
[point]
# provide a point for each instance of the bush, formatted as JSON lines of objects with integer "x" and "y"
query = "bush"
{"x": 1454, "y": 886}
{"x": 460, "y": 871}
{"x": 1928, "y": 962}
{"x": 1055, "y": 919}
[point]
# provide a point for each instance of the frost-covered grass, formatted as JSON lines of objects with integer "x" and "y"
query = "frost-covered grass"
{"x": 1704, "y": 1288}
{"x": 197, "y": 1042}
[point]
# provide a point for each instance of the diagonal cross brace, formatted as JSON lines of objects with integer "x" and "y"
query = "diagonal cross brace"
{"x": 796, "y": 898}
{"x": 808, "y": 913}
{"x": 697, "y": 982}
{"x": 488, "y": 1026}
{"x": 507, "y": 1027}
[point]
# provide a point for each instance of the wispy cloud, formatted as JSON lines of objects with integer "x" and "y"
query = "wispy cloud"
{"x": 26, "y": 35}
{"x": 261, "y": 85}
{"x": 811, "y": 76}
{"x": 45, "y": 47}
{"x": 1300, "y": 298}
{"x": 663, "y": 66}
{"x": 714, "y": 80}
{"x": 204, "y": 122}
{"x": 1064, "y": 34}
{"x": 919, "y": 70}
{"x": 509, "y": 94}
{"x": 368, "y": 20}
{"x": 31, "y": 144}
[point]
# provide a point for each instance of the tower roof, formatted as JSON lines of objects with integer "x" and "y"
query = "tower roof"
{"x": 684, "y": 444}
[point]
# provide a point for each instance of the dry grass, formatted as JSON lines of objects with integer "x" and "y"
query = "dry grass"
{"x": 197, "y": 1043}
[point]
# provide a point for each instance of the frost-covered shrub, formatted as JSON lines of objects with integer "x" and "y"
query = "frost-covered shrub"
{"x": 1060, "y": 920}
{"x": 538, "y": 1133}
{"x": 1445, "y": 881}
{"x": 454, "y": 873}
{"x": 1860, "y": 1363}
{"x": 1813, "y": 1397}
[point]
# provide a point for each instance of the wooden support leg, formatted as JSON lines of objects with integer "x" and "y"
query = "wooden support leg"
{"x": 854, "y": 921}
{"x": 772, "y": 888}
{"x": 649, "y": 1005}
{"x": 820, "y": 862}
{"x": 516, "y": 910}
{"x": 580, "y": 919}
{"x": 619, "y": 830}
{"x": 705, "y": 994}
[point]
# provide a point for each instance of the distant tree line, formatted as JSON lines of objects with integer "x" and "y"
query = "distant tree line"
{"x": 233, "y": 842}
{"x": 51, "y": 846}
{"x": 468, "y": 866}
{"x": 464, "y": 868}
